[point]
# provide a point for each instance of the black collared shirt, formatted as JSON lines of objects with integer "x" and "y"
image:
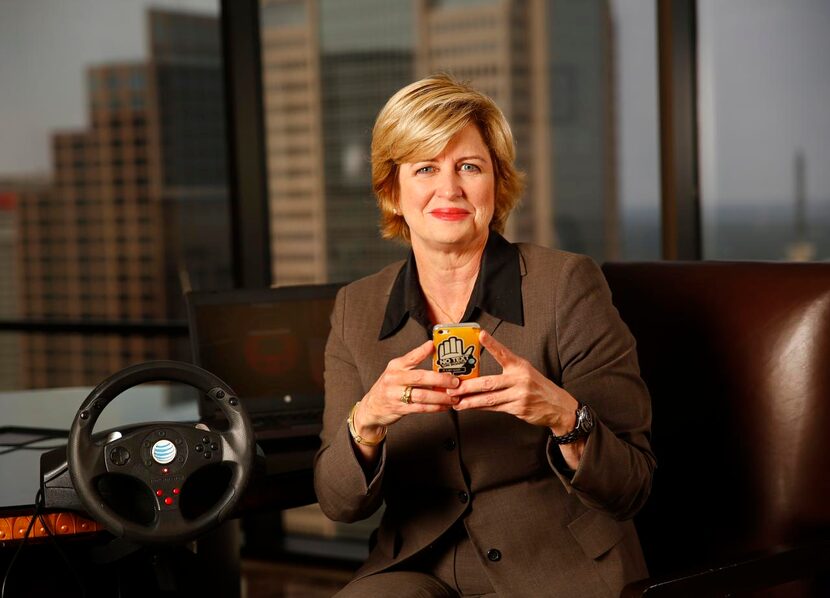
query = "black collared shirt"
{"x": 498, "y": 290}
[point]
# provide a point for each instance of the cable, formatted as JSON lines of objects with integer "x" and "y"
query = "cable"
{"x": 57, "y": 546}
{"x": 38, "y": 514}
{"x": 21, "y": 447}
{"x": 19, "y": 549}
{"x": 26, "y": 444}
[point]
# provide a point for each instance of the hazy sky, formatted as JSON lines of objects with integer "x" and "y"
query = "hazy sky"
{"x": 765, "y": 87}
{"x": 764, "y": 95}
{"x": 45, "y": 47}
{"x": 638, "y": 142}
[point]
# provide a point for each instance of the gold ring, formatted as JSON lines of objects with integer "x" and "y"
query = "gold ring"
{"x": 406, "y": 397}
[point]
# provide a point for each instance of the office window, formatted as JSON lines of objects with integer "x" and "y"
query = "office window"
{"x": 576, "y": 79}
{"x": 764, "y": 126}
{"x": 113, "y": 143}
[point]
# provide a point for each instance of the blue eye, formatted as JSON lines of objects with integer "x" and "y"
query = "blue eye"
{"x": 467, "y": 167}
{"x": 425, "y": 169}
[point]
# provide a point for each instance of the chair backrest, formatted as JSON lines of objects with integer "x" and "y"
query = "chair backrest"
{"x": 737, "y": 358}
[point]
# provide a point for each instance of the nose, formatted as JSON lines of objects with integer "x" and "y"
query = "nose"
{"x": 449, "y": 185}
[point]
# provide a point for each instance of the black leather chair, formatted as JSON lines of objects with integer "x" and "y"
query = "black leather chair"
{"x": 737, "y": 358}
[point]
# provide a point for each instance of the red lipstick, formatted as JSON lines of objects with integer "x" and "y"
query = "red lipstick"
{"x": 451, "y": 214}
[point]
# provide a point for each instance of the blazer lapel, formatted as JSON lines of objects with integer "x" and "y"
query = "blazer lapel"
{"x": 407, "y": 338}
{"x": 489, "y": 322}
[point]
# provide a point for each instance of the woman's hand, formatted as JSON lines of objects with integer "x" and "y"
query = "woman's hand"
{"x": 383, "y": 405}
{"x": 521, "y": 390}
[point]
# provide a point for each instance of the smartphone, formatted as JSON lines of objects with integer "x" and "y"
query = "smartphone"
{"x": 457, "y": 349}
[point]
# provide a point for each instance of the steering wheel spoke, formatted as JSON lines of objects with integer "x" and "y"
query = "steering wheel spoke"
{"x": 232, "y": 450}
{"x": 169, "y": 518}
{"x": 95, "y": 459}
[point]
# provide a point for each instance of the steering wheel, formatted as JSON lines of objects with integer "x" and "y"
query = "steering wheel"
{"x": 161, "y": 455}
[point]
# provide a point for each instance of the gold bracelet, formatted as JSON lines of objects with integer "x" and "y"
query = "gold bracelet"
{"x": 357, "y": 437}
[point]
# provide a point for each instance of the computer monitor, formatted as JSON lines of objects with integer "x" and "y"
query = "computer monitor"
{"x": 267, "y": 344}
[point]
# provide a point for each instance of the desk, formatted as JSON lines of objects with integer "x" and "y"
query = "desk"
{"x": 55, "y": 409}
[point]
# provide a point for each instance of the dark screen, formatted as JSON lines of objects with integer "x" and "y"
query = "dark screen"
{"x": 270, "y": 353}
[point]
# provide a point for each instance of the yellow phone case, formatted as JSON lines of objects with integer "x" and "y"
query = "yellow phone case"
{"x": 457, "y": 349}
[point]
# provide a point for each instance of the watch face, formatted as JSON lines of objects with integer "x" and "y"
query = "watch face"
{"x": 585, "y": 422}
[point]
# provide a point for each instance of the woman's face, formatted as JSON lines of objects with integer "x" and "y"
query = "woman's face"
{"x": 448, "y": 200}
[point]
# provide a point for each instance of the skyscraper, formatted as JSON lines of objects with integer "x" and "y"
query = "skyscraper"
{"x": 329, "y": 66}
{"x": 293, "y": 120}
{"x": 116, "y": 238}
{"x": 364, "y": 61}
{"x": 490, "y": 44}
{"x": 13, "y": 192}
{"x": 581, "y": 97}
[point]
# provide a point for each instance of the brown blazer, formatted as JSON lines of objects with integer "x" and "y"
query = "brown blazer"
{"x": 556, "y": 534}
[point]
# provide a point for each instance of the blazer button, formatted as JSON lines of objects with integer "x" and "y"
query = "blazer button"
{"x": 449, "y": 444}
{"x": 463, "y": 496}
{"x": 494, "y": 554}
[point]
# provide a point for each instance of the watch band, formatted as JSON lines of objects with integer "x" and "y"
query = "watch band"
{"x": 583, "y": 426}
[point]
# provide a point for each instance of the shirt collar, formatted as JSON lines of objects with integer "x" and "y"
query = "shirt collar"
{"x": 497, "y": 291}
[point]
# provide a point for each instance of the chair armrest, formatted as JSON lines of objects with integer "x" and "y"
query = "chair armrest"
{"x": 758, "y": 571}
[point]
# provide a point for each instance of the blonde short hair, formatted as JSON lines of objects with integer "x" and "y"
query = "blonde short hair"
{"x": 418, "y": 122}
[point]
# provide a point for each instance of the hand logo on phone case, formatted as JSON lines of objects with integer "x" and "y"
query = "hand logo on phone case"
{"x": 454, "y": 358}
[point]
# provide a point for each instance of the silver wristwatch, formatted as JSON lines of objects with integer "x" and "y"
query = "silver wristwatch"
{"x": 583, "y": 427}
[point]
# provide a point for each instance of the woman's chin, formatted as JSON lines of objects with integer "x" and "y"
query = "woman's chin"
{"x": 456, "y": 239}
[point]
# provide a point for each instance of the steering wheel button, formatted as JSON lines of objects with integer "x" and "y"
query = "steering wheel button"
{"x": 176, "y": 490}
{"x": 199, "y": 448}
{"x": 159, "y": 492}
{"x": 168, "y": 501}
{"x": 119, "y": 455}
{"x": 164, "y": 452}
{"x": 214, "y": 446}
{"x": 205, "y": 439}
{"x": 207, "y": 454}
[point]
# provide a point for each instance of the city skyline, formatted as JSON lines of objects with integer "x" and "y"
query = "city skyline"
{"x": 118, "y": 232}
{"x": 29, "y": 108}
{"x": 638, "y": 168}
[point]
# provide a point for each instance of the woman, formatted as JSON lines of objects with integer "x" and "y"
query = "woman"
{"x": 520, "y": 482}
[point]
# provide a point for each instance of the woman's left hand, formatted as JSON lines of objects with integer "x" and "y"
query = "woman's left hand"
{"x": 520, "y": 390}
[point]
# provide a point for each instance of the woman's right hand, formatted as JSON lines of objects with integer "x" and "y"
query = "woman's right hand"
{"x": 383, "y": 405}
